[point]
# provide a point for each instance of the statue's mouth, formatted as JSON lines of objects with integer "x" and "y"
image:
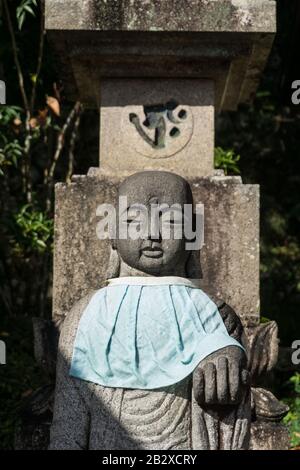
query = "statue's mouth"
{"x": 152, "y": 252}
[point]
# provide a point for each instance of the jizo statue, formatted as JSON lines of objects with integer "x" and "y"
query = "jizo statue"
{"x": 149, "y": 361}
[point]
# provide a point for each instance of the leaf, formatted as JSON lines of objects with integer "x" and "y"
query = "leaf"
{"x": 17, "y": 122}
{"x": 226, "y": 160}
{"x": 29, "y": 9}
{"x": 42, "y": 117}
{"x": 54, "y": 105}
{"x": 24, "y": 8}
{"x": 41, "y": 244}
{"x": 21, "y": 20}
{"x": 264, "y": 319}
{"x": 33, "y": 123}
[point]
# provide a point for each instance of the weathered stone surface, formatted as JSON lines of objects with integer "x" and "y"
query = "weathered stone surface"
{"x": 154, "y": 15}
{"x": 77, "y": 250}
{"x": 157, "y": 124}
{"x": 45, "y": 345}
{"x": 266, "y": 407}
{"x": 269, "y": 436}
{"x": 194, "y": 39}
{"x": 229, "y": 258}
{"x": 101, "y": 40}
{"x": 90, "y": 416}
{"x": 2, "y": 91}
{"x": 262, "y": 350}
{"x": 145, "y": 416}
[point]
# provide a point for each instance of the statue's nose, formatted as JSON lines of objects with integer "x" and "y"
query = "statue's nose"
{"x": 154, "y": 228}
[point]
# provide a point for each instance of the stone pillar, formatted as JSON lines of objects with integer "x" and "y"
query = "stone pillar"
{"x": 165, "y": 124}
{"x": 159, "y": 72}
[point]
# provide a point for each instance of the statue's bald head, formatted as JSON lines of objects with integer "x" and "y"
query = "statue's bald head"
{"x": 155, "y": 253}
{"x": 167, "y": 187}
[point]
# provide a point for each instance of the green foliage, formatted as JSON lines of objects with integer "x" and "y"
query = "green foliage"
{"x": 264, "y": 319}
{"x": 35, "y": 230}
{"x": 11, "y": 149}
{"x": 37, "y": 142}
{"x": 8, "y": 113}
{"x": 26, "y": 7}
{"x": 227, "y": 160}
{"x": 9, "y": 153}
{"x": 292, "y": 419}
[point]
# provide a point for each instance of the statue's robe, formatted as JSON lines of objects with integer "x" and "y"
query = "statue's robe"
{"x": 91, "y": 416}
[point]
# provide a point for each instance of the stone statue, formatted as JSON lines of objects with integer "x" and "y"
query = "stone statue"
{"x": 149, "y": 361}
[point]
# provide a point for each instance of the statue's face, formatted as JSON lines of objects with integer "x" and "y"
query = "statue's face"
{"x": 157, "y": 250}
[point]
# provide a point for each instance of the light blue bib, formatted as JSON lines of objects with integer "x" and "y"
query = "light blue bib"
{"x": 146, "y": 333}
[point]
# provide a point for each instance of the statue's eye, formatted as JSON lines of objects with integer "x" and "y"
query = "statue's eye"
{"x": 168, "y": 219}
{"x": 133, "y": 221}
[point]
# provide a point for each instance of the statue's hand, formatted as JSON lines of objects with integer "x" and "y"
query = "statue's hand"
{"x": 221, "y": 378}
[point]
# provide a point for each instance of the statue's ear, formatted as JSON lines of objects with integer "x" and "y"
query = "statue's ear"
{"x": 113, "y": 228}
{"x": 113, "y": 268}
